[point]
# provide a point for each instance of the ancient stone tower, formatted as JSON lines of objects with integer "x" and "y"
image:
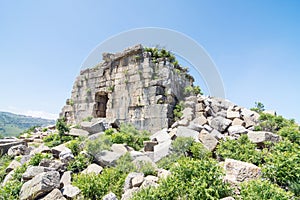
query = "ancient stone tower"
{"x": 131, "y": 86}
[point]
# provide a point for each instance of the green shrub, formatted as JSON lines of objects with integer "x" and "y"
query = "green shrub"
{"x": 146, "y": 168}
{"x": 181, "y": 145}
{"x": 62, "y": 127}
{"x": 79, "y": 163}
{"x": 192, "y": 90}
{"x": 74, "y": 145}
{"x": 241, "y": 149}
{"x": 103, "y": 142}
{"x": 263, "y": 190}
{"x": 95, "y": 186}
{"x": 109, "y": 131}
{"x": 36, "y": 159}
{"x": 259, "y": 107}
{"x": 283, "y": 164}
{"x": 168, "y": 161}
{"x": 54, "y": 139}
{"x": 88, "y": 119}
{"x": 190, "y": 179}
{"x": 4, "y": 162}
{"x": 178, "y": 110}
{"x": 198, "y": 151}
{"x": 184, "y": 146}
{"x": 11, "y": 190}
{"x": 291, "y": 132}
{"x": 129, "y": 135}
{"x": 272, "y": 123}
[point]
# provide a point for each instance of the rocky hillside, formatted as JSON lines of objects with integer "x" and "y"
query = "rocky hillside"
{"x": 194, "y": 147}
{"x": 215, "y": 150}
{"x": 13, "y": 124}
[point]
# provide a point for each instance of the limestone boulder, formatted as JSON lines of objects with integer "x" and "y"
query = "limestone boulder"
{"x": 137, "y": 181}
{"x": 65, "y": 179}
{"x": 186, "y": 132}
{"x": 54, "y": 194}
{"x": 78, "y": 132}
{"x": 160, "y": 136}
{"x": 93, "y": 168}
{"x": 57, "y": 165}
{"x": 250, "y": 117}
{"x": 128, "y": 181}
{"x": 201, "y": 120}
{"x": 110, "y": 196}
{"x": 6, "y": 144}
{"x": 220, "y": 123}
{"x": 40, "y": 185}
{"x": 238, "y": 122}
{"x": 107, "y": 158}
{"x": 259, "y": 137}
{"x": 162, "y": 150}
{"x": 71, "y": 191}
{"x": 18, "y": 150}
{"x": 208, "y": 140}
{"x": 93, "y": 127}
{"x": 12, "y": 165}
{"x": 238, "y": 171}
{"x": 237, "y": 130}
{"x": 150, "y": 181}
{"x": 32, "y": 171}
{"x": 58, "y": 149}
{"x": 217, "y": 134}
{"x": 66, "y": 156}
{"x": 8, "y": 177}
{"x": 41, "y": 149}
{"x": 119, "y": 149}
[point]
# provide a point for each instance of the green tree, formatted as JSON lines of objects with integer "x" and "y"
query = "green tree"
{"x": 259, "y": 107}
{"x": 62, "y": 127}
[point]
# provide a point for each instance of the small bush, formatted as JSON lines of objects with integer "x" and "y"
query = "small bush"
{"x": 11, "y": 190}
{"x": 190, "y": 179}
{"x": 292, "y": 133}
{"x": 199, "y": 151}
{"x": 168, "y": 161}
{"x": 178, "y": 111}
{"x": 74, "y": 146}
{"x": 129, "y": 135}
{"x": 88, "y": 119}
{"x": 263, "y": 190}
{"x": 62, "y": 127}
{"x": 54, "y": 139}
{"x": 4, "y": 162}
{"x": 272, "y": 123}
{"x": 36, "y": 159}
{"x": 181, "y": 145}
{"x": 146, "y": 168}
{"x": 95, "y": 186}
{"x": 259, "y": 107}
{"x": 283, "y": 164}
{"x": 103, "y": 142}
{"x": 80, "y": 163}
{"x": 192, "y": 90}
{"x": 241, "y": 149}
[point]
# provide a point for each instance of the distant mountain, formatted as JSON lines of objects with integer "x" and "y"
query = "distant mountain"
{"x": 13, "y": 124}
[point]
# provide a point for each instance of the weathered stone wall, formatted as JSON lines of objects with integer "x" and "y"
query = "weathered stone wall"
{"x": 138, "y": 91}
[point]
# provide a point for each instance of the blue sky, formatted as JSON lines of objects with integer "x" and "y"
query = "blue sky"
{"x": 254, "y": 44}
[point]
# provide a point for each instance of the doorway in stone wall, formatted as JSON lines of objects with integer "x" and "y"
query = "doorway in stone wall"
{"x": 100, "y": 105}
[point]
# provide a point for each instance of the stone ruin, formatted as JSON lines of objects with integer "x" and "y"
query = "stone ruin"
{"x": 129, "y": 87}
